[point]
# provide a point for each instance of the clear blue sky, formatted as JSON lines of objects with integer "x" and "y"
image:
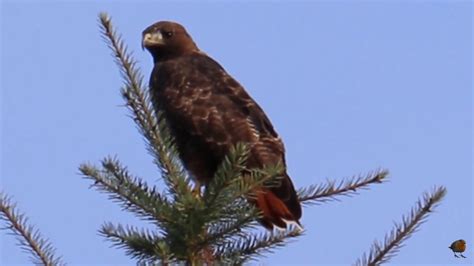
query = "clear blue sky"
{"x": 350, "y": 86}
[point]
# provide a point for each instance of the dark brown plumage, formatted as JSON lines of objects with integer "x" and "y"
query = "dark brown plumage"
{"x": 208, "y": 112}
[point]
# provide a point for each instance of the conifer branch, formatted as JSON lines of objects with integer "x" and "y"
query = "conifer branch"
{"x": 315, "y": 194}
{"x": 159, "y": 141}
{"x": 230, "y": 169}
{"x": 268, "y": 176}
{"x": 234, "y": 221}
{"x": 252, "y": 246}
{"x": 382, "y": 252}
{"x": 29, "y": 239}
{"x": 143, "y": 245}
{"x": 133, "y": 193}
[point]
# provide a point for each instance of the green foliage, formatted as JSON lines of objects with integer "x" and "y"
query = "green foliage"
{"x": 188, "y": 223}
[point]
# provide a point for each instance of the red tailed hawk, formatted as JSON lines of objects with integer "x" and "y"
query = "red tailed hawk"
{"x": 208, "y": 112}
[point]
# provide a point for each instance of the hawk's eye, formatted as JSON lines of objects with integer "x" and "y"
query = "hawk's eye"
{"x": 167, "y": 34}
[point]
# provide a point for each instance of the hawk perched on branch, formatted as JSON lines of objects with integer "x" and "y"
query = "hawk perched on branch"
{"x": 208, "y": 112}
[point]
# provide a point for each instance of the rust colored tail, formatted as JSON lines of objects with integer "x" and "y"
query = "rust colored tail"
{"x": 279, "y": 205}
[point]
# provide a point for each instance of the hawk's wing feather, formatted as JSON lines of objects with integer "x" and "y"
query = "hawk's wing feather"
{"x": 208, "y": 113}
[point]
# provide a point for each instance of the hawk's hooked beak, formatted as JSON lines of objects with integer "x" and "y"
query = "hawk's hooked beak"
{"x": 152, "y": 39}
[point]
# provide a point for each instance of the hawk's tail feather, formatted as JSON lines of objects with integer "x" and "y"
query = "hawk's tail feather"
{"x": 276, "y": 212}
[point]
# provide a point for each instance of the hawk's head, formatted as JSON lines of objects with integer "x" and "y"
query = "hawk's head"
{"x": 167, "y": 39}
